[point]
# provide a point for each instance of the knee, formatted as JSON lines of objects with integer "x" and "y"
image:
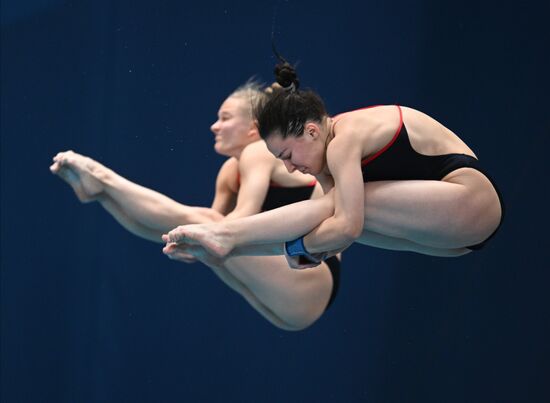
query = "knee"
{"x": 478, "y": 218}
{"x": 297, "y": 324}
{"x": 302, "y": 316}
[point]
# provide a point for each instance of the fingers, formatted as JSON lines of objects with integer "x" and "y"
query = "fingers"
{"x": 190, "y": 251}
{"x": 179, "y": 235}
{"x": 305, "y": 266}
{"x": 181, "y": 257}
{"x": 174, "y": 237}
{"x": 300, "y": 263}
{"x": 54, "y": 168}
{"x": 172, "y": 251}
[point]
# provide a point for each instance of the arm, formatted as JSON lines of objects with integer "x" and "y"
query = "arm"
{"x": 255, "y": 168}
{"x": 278, "y": 225}
{"x": 225, "y": 196}
{"x": 346, "y": 224}
{"x": 340, "y": 215}
{"x": 294, "y": 220}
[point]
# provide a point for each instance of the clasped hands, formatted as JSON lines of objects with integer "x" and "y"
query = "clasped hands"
{"x": 191, "y": 253}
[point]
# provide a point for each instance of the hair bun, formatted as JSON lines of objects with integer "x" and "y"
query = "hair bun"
{"x": 285, "y": 75}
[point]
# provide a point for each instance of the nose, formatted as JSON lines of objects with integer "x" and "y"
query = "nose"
{"x": 290, "y": 167}
{"x": 215, "y": 126}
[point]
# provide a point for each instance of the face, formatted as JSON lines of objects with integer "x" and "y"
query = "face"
{"x": 234, "y": 129}
{"x": 305, "y": 153}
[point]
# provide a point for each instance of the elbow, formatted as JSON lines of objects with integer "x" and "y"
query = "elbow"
{"x": 354, "y": 232}
{"x": 350, "y": 231}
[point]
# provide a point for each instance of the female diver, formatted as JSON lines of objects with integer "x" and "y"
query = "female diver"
{"x": 251, "y": 180}
{"x": 393, "y": 177}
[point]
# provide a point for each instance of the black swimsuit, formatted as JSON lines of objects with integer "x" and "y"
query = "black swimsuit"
{"x": 397, "y": 160}
{"x": 278, "y": 196}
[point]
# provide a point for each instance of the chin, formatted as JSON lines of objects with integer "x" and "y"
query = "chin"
{"x": 315, "y": 170}
{"x": 225, "y": 151}
{"x": 311, "y": 172}
{"x": 219, "y": 149}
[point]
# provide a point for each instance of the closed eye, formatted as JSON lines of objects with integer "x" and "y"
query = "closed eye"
{"x": 280, "y": 156}
{"x": 286, "y": 157}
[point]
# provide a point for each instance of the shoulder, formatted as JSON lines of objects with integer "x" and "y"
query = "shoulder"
{"x": 230, "y": 166}
{"x": 365, "y": 121}
{"x": 363, "y": 131}
{"x": 228, "y": 173}
{"x": 256, "y": 153}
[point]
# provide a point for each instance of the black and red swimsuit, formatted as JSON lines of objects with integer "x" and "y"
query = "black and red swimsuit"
{"x": 397, "y": 160}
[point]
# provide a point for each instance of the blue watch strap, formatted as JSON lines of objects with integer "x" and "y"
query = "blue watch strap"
{"x": 296, "y": 247}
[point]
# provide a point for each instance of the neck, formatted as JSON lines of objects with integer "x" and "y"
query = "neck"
{"x": 330, "y": 129}
{"x": 238, "y": 153}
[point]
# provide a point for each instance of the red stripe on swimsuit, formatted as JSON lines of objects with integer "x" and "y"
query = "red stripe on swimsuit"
{"x": 383, "y": 149}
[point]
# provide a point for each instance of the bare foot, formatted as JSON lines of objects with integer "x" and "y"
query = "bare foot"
{"x": 80, "y": 172}
{"x": 215, "y": 238}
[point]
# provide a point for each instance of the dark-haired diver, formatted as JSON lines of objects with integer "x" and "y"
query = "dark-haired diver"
{"x": 250, "y": 181}
{"x": 393, "y": 177}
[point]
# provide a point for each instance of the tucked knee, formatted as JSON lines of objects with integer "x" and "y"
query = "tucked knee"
{"x": 295, "y": 325}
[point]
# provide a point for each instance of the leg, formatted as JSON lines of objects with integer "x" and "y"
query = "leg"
{"x": 296, "y": 297}
{"x": 142, "y": 211}
{"x": 232, "y": 282}
{"x": 385, "y": 242}
{"x": 289, "y": 299}
{"x": 461, "y": 210}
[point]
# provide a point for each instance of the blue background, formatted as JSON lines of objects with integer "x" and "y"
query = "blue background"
{"x": 91, "y": 313}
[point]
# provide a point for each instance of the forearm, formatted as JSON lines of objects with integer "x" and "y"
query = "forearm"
{"x": 332, "y": 234}
{"x": 281, "y": 224}
{"x": 271, "y": 249}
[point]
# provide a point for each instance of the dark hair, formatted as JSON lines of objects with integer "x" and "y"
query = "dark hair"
{"x": 285, "y": 111}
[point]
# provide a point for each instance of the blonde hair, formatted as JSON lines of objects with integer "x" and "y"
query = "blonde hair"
{"x": 253, "y": 93}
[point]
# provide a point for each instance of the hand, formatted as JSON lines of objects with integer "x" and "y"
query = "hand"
{"x": 190, "y": 253}
{"x": 302, "y": 262}
{"x": 177, "y": 252}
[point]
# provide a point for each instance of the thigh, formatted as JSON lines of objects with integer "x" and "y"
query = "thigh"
{"x": 386, "y": 242}
{"x": 232, "y": 282}
{"x": 298, "y": 297}
{"x": 461, "y": 210}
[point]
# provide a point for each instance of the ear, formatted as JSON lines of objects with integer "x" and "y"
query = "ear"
{"x": 312, "y": 130}
{"x": 253, "y": 130}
